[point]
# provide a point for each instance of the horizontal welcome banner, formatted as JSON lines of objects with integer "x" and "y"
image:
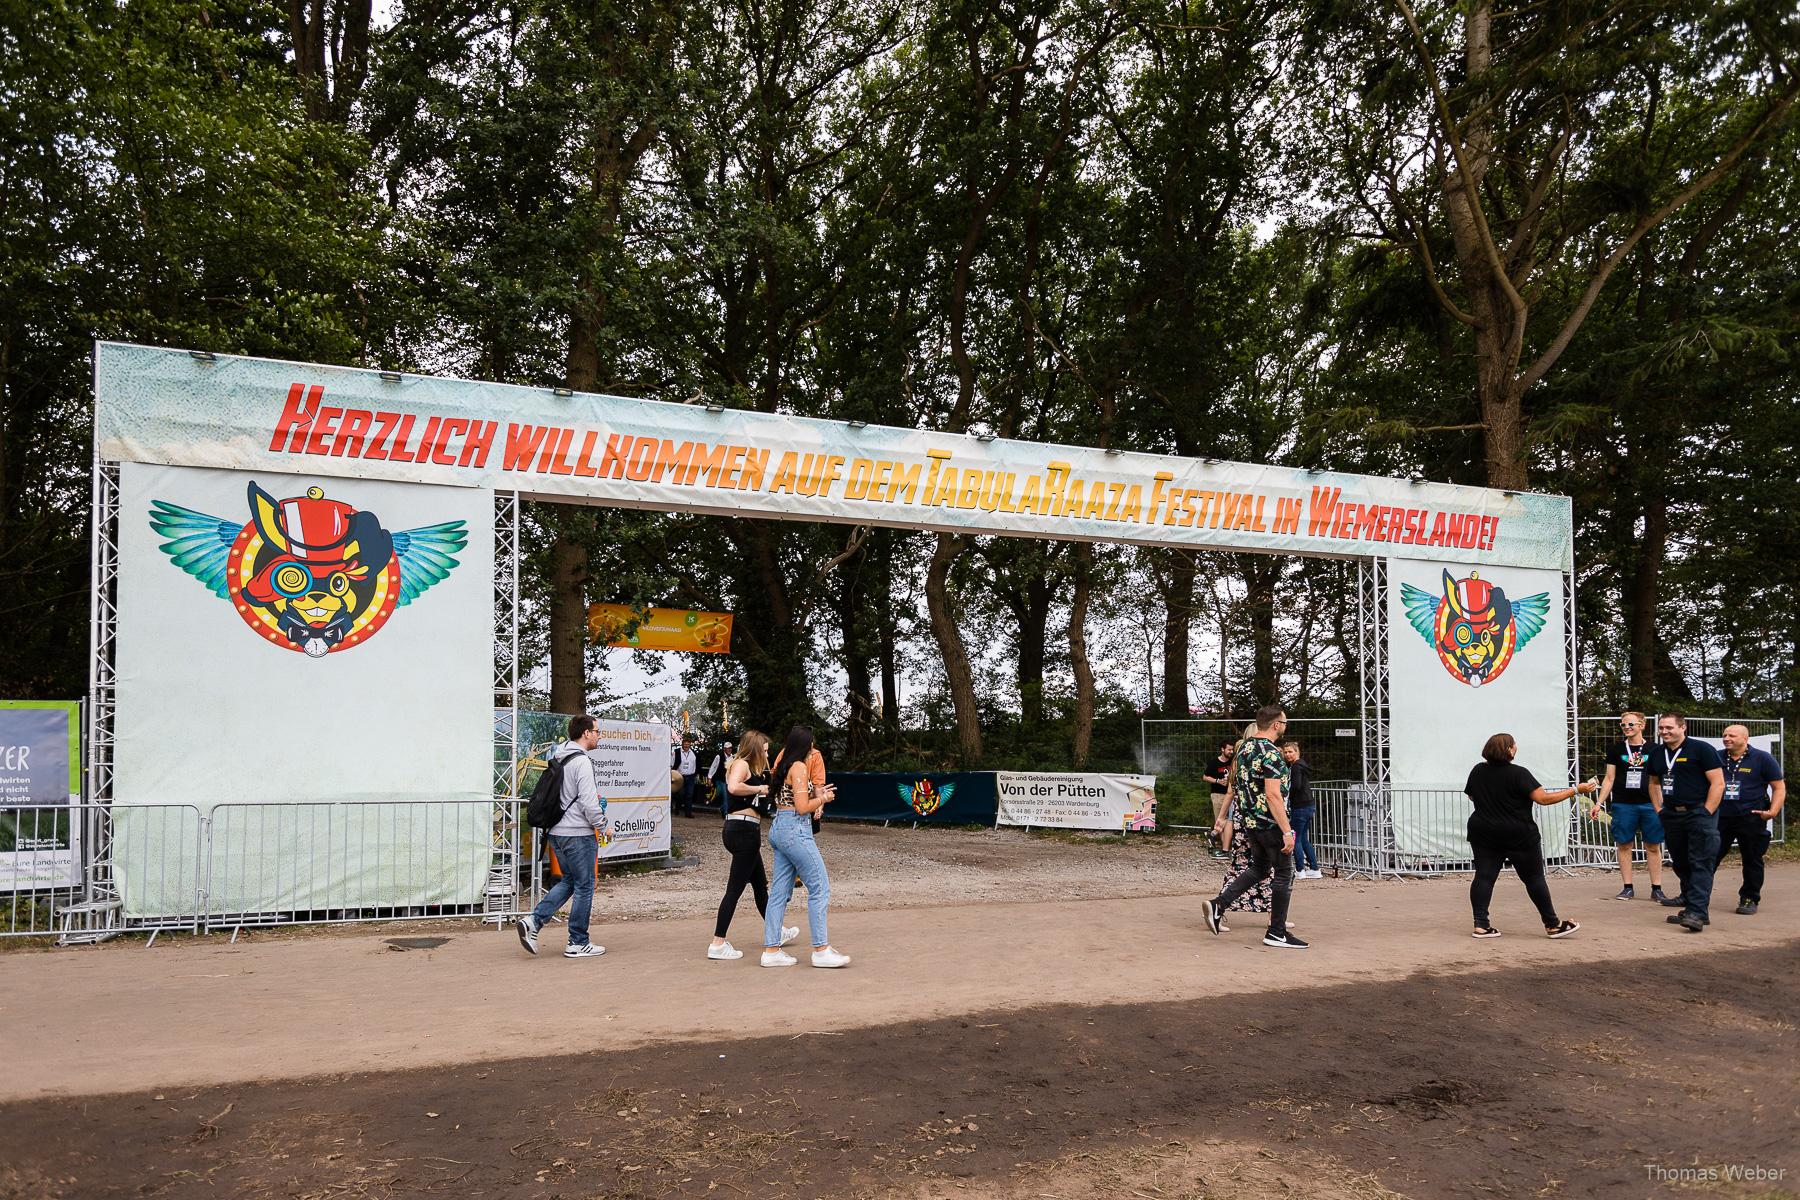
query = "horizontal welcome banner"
{"x": 170, "y": 406}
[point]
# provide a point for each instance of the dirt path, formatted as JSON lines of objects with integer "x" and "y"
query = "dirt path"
{"x": 187, "y": 1012}
{"x": 1524, "y": 1081}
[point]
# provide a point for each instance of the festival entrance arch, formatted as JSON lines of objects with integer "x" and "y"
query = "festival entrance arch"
{"x": 306, "y": 587}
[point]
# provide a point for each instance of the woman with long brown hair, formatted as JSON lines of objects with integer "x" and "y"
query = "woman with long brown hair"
{"x": 791, "y": 838}
{"x": 1502, "y": 831}
{"x": 746, "y": 790}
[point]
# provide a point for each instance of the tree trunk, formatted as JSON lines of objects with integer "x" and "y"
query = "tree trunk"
{"x": 1034, "y": 620}
{"x": 1178, "y": 613}
{"x": 1078, "y": 659}
{"x": 961, "y": 678}
{"x": 888, "y": 638}
{"x": 1643, "y": 587}
{"x": 568, "y": 617}
{"x": 859, "y": 707}
{"x": 1260, "y": 575}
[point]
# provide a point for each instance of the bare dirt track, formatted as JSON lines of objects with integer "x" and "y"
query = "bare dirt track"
{"x": 1511, "y": 1083}
{"x": 1069, "y": 1036}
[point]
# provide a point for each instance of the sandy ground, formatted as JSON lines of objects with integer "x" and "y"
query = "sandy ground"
{"x": 201, "y": 1011}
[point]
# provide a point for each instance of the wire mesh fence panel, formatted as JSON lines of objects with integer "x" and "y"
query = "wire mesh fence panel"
{"x": 297, "y": 863}
{"x": 1178, "y": 752}
{"x": 69, "y": 867}
{"x": 1373, "y": 831}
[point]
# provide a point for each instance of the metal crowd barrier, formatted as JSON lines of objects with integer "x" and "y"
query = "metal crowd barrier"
{"x": 1364, "y": 830}
{"x": 86, "y": 872}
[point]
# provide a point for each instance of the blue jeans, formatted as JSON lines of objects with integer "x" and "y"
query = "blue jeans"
{"x": 576, "y": 855}
{"x": 1693, "y": 841}
{"x": 791, "y": 838}
{"x": 1301, "y": 819}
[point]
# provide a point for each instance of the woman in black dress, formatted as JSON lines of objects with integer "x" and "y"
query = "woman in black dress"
{"x": 1502, "y": 831}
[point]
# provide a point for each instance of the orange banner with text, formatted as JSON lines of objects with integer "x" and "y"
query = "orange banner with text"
{"x": 659, "y": 628}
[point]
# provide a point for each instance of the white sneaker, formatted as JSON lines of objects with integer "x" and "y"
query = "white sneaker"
{"x": 725, "y": 951}
{"x": 778, "y": 958}
{"x": 789, "y": 933}
{"x": 528, "y": 931}
{"x": 588, "y": 951}
{"x": 829, "y": 958}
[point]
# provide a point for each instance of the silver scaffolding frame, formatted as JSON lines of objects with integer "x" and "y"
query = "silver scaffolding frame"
{"x": 98, "y": 913}
{"x": 501, "y": 897}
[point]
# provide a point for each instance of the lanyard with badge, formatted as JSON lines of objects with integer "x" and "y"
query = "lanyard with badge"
{"x": 1668, "y": 784}
{"x": 1635, "y": 758}
{"x": 1732, "y": 784}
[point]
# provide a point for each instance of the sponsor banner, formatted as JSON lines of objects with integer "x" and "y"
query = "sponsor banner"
{"x": 631, "y": 770}
{"x": 166, "y": 406}
{"x": 929, "y": 797}
{"x": 1064, "y": 801}
{"x": 306, "y": 639}
{"x": 40, "y": 779}
{"x": 687, "y": 629}
{"x": 1472, "y": 651}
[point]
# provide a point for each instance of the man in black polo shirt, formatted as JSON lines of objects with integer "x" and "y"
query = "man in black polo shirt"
{"x": 1688, "y": 782}
{"x": 1627, "y": 786}
{"x": 1754, "y": 794}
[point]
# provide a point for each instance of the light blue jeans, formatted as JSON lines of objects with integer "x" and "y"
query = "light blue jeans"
{"x": 791, "y": 838}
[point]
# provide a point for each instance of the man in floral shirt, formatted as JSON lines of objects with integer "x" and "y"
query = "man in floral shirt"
{"x": 1259, "y": 786}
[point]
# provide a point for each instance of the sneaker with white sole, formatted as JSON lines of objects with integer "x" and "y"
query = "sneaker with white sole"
{"x": 725, "y": 951}
{"x": 1209, "y": 909}
{"x": 528, "y": 931}
{"x": 588, "y": 950}
{"x": 778, "y": 958}
{"x": 830, "y": 958}
{"x": 789, "y": 933}
{"x": 1285, "y": 940}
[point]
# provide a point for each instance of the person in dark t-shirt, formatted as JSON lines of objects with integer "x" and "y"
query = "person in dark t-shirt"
{"x": 1502, "y": 831}
{"x": 1754, "y": 794}
{"x": 1300, "y": 811}
{"x": 1627, "y": 786}
{"x": 1688, "y": 780}
{"x": 1216, "y": 775}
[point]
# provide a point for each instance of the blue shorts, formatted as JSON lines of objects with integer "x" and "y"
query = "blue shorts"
{"x": 1630, "y": 820}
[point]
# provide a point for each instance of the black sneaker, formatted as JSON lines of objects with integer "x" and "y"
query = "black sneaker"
{"x": 1285, "y": 939}
{"x": 1209, "y": 909}
{"x": 1656, "y": 894}
{"x": 1626, "y": 893}
{"x": 1746, "y": 908}
{"x": 1674, "y": 901}
{"x": 1693, "y": 922}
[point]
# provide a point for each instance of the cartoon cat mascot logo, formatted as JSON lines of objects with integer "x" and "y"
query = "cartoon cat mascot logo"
{"x": 925, "y": 798}
{"x": 309, "y": 574}
{"x": 1473, "y": 627}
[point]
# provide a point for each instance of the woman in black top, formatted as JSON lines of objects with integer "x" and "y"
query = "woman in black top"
{"x": 746, "y": 787}
{"x": 1501, "y": 830}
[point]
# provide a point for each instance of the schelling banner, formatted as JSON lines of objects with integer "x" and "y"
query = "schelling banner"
{"x": 166, "y": 406}
{"x": 40, "y": 778}
{"x": 1121, "y": 802}
{"x": 631, "y": 770}
{"x": 687, "y": 629}
{"x": 1472, "y": 652}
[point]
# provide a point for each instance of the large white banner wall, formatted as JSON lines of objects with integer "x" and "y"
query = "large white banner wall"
{"x": 1473, "y": 651}
{"x": 167, "y": 406}
{"x": 289, "y": 640}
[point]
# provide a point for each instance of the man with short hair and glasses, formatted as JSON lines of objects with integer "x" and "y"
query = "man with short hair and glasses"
{"x": 1634, "y": 812}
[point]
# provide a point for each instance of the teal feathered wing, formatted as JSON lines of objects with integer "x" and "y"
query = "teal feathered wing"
{"x": 906, "y": 793}
{"x": 1421, "y": 610}
{"x": 198, "y": 544}
{"x": 1529, "y": 615}
{"x": 427, "y": 556}
{"x": 945, "y": 792}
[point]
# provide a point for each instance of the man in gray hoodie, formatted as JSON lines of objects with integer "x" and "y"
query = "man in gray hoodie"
{"x": 573, "y": 840}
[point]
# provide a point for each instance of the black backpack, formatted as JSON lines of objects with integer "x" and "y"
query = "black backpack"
{"x": 546, "y": 807}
